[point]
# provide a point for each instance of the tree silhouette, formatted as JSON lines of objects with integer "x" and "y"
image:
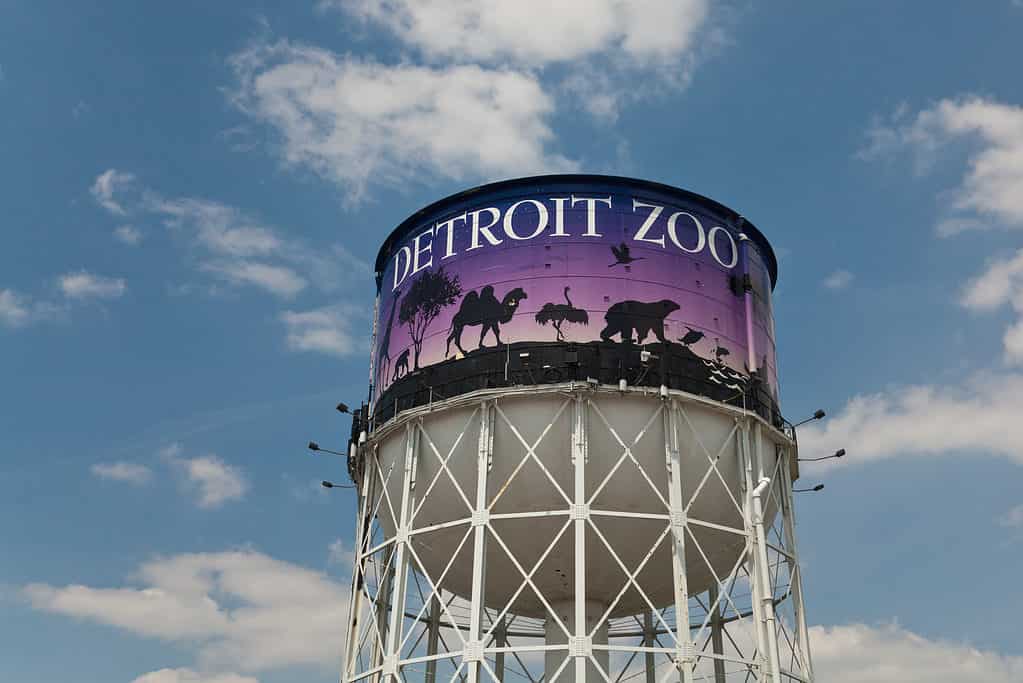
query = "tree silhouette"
{"x": 423, "y": 303}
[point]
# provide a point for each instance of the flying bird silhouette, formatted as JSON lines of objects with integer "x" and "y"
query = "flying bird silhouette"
{"x": 622, "y": 256}
{"x": 691, "y": 337}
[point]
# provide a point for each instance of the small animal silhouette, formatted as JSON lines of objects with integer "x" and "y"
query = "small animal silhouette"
{"x": 719, "y": 351}
{"x": 625, "y": 316}
{"x": 400, "y": 366}
{"x": 691, "y": 337}
{"x": 622, "y": 256}
{"x": 558, "y": 314}
{"x": 483, "y": 309}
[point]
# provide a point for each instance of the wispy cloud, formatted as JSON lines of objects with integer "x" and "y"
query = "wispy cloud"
{"x": 357, "y": 123}
{"x": 897, "y": 654}
{"x": 238, "y": 249}
{"x": 128, "y": 472}
{"x": 325, "y": 330}
{"x": 128, "y": 234}
{"x": 840, "y": 279}
{"x": 1001, "y": 284}
{"x": 213, "y": 481}
{"x": 339, "y": 553}
{"x": 241, "y": 611}
{"x": 990, "y": 193}
{"x": 20, "y": 310}
{"x": 1013, "y": 518}
{"x": 976, "y": 416}
{"x": 108, "y": 184}
{"x": 85, "y": 285}
{"x": 277, "y": 280}
{"x": 190, "y": 676}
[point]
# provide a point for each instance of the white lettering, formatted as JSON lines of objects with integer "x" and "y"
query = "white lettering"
{"x": 449, "y": 251}
{"x": 714, "y": 251}
{"x": 591, "y": 213}
{"x": 424, "y": 249}
{"x": 651, "y": 217}
{"x": 541, "y": 219}
{"x": 559, "y": 216}
{"x": 477, "y": 229}
{"x": 701, "y": 237}
{"x": 397, "y": 260}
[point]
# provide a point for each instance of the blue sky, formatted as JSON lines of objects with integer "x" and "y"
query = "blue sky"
{"x": 193, "y": 192}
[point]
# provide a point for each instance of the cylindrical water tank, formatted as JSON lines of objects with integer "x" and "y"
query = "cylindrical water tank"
{"x": 515, "y": 290}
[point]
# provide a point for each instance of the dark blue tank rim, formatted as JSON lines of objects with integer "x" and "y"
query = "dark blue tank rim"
{"x": 594, "y": 180}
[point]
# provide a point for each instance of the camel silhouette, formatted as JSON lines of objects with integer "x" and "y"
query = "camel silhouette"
{"x": 483, "y": 309}
{"x": 558, "y": 314}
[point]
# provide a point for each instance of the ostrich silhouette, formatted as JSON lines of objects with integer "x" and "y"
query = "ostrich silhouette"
{"x": 559, "y": 314}
{"x": 622, "y": 255}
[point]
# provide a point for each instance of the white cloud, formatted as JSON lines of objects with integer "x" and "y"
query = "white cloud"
{"x": 1013, "y": 518}
{"x": 339, "y": 553}
{"x": 1000, "y": 284}
{"x": 215, "y": 481}
{"x": 359, "y": 123}
{"x": 128, "y": 235}
{"x": 131, "y": 473}
{"x": 190, "y": 676}
{"x": 278, "y": 280}
{"x": 242, "y": 611}
{"x": 85, "y": 285}
{"x": 858, "y": 653}
{"x": 538, "y": 32}
{"x": 840, "y": 279}
{"x": 325, "y": 330}
{"x": 108, "y": 184}
{"x": 980, "y": 415}
{"x": 19, "y": 310}
{"x": 222, "y": 229}
{"x": 991, "y": 189}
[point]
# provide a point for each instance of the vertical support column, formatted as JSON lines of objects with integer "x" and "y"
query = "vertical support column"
{"x": 473, "y": 654}
{"x": 648, "y": 641}
{"x": 716, "y": 641}
{"x": 746, "y": 463}
{"x": 500, "y": 640}
{"x": 401, "y": 555}
{"x": 362, "y": 528}
{"x": 580, "y": 515}
{"x": 795, "y": 571}
{"x": 763, "y": 562}
{"x": 433, "y": 637}
{"x": 685, "y": 659}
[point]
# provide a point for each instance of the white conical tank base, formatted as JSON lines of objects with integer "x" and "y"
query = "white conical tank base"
{"x": 555, "y": 635}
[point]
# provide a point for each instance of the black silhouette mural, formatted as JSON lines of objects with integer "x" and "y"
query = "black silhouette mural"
{"x": 384, "y": 347}
{"x": 400, "y": 366}
{"x": 559, "y": 314}
{"x": 427, "y": 296}
{"x": 622, "y": 256}
{"x": 691, "y": 337}
{"x": 625, "y": 317}
{"x": 483, "y": 309}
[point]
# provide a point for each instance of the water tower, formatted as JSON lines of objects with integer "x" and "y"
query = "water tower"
{"x": 572, "y": 465}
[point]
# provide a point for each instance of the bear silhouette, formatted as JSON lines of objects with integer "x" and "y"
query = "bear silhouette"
{"x": 625, "y": 317}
